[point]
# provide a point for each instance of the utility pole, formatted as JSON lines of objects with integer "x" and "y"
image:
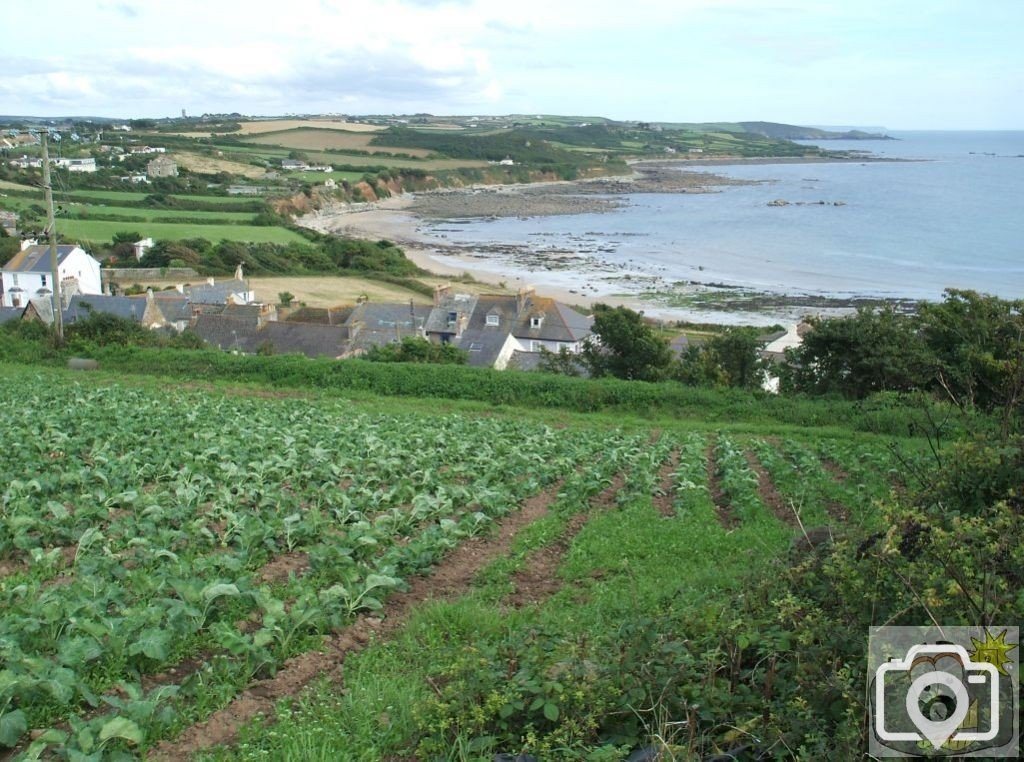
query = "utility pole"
{"x": 51, "y": 226}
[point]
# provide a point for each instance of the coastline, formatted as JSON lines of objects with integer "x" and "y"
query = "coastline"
{"x": 578, "y": 277}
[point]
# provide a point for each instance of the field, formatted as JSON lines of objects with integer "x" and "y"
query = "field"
{"x": 330, "y": 140}
{"x": 101, "y": 230}
{"x": 209, "y": 165}
{"x": 276, "y": 125}
{"x": 177, "y": 560}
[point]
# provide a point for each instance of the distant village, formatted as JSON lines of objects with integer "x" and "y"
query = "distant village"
{"x": 497, "y": 331}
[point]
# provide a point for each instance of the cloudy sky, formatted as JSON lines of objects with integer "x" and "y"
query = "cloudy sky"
{"x": 954, "y": 64}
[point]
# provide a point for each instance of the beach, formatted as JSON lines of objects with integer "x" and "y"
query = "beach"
{"x": 578, "y": 271}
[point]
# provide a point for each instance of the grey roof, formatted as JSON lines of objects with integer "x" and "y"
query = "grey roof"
{"x": 372, "y": 325}
{"x": 11, "y": 313}
{"x": 226, "y": 333}
{"x": 174, "y": 310}
{"x": 217, "y": 293}
{"x": 559, "y": 322}
{"x": 36, "y": 259}
{"x": 308, "y": 338}
{"x": 82, "y": 305}
{"x": 524, "y": 361}
{"x": 463, "y": 304}
{"x": 482, "y": 341}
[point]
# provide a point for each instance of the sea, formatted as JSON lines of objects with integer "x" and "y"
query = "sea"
{"x": 949, "y": 215}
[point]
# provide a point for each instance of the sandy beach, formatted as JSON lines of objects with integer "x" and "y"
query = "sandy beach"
{"x": 576, "y": 276}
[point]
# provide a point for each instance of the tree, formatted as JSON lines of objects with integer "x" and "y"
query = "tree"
{"x": 285, "y": 298}
{"x": 977, "y": 342}
{"x": 732, "y": 358}
{"x": 626, "y": 346}
{"x": 871, "y": 351}
{"x": 415, "y": 349}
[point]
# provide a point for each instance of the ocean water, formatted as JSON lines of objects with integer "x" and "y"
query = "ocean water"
{"x": 953, "y": 218}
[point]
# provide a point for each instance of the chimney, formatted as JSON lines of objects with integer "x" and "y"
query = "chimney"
{"x": 440, "y": 292}
{"x": 238, "y": 272}
{"x": 28, "y": 242}
{"x": 179, "y": 287}
{"x": 211, "y": 281}
{"x": 149, "y": 296}
{"x": 523, "y": 298}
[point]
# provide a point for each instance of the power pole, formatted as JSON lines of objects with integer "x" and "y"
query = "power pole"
{"x": 51, "y": 226}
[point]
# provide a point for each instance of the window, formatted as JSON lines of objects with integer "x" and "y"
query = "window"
{"x": 492, "y": 319}
{"x": 452, "y": 317}
{"x": 536, "y": 320}
{"x": 43, "y": 279}
{"x": 15, "y": 277}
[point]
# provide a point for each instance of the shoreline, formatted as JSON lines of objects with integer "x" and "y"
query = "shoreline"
{"x": 578, "y": 276}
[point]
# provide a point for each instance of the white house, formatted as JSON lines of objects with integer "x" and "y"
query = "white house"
{"x": 76, "y": 165}
{"x": 28, "y": 274}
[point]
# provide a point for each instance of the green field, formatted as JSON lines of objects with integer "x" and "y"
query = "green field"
{"x": 97, "y": 230}
{"x": 166, "y": 549}
{"x": 83, "y": 211}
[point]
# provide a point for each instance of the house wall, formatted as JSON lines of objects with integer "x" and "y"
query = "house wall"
{"x": 29, "y": 283}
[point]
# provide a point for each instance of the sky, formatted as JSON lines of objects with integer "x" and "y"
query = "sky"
{"x": 898, "y": 64}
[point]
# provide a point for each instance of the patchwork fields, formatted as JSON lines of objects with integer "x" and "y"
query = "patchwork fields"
{"x": 175, "y": 562}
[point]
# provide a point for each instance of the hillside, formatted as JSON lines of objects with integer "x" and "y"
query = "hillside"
{"x": 793, "y": 132}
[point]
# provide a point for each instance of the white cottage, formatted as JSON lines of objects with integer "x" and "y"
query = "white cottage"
{"x": 28, "y": 274}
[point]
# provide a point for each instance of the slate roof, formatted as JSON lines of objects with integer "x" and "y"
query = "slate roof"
{"x": 524, "y": 361}
{"x": 308, "y": 338}
{"x": 82, "y": 305}
{"x": 217, "y": 293}
{"x": 482, "y": 341}
{"x": 174, "y": 310}
{"x": 226, "y": 333}
{"x": 11, "y": 313}
{"x": 36, "y": 259}
{"x": 560, "y": 322}
{"x": 459, "y": 303}
{"x": 373, "y": 325}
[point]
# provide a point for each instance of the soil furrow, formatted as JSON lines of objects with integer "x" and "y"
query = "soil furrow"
{"x": 538, "y": 578}
{"x": 665, "y": 497}
{"x": 450, "y": 578}
{"x": 769, "y": 493}
{"x": 726, "y": 515}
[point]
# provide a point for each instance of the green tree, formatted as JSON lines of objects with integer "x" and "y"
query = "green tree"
{"x": 977, "y": 346}
{"x": 871, "y": 351}
{"x": 415, "y": 349}
{"x": 732, "y": 358}
{"x": 625, "y": 346}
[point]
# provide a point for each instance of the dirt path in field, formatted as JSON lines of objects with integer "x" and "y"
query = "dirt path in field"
{"x": 837, "y": 471}
{"x": 665, "y": 497}
{"x": 538, "y": 579}
{"x": 726, "y": 515}
{"x": 769, "y": 493}
{"x": 449, "y": 579}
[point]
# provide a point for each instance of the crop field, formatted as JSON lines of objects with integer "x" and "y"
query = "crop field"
{"x": 330, "y": 140}
{"x": 175, "y": 561}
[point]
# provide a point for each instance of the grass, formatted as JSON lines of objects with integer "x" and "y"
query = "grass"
{"x": 82, "y": 211}
{"x": 99, "y": 230}
{"x": 4, "y": 184}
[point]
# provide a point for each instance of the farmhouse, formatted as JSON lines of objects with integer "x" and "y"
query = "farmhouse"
{"x": 28, "y": 274}
{"x": 162, "y": 166}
